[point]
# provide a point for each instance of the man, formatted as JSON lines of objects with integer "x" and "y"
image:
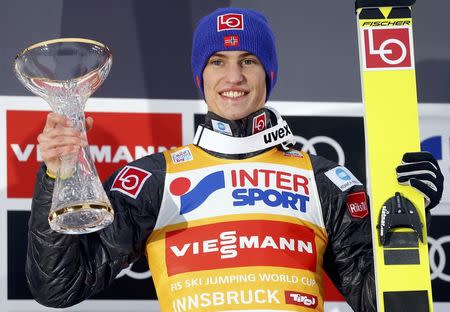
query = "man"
{"x": 236, "y": 221}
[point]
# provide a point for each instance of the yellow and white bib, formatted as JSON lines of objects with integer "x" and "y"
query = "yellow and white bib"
{"x": 238, "y": 234}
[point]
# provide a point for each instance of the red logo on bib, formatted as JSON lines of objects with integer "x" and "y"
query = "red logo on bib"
{"x": 300, "y": 299}
{"x": 387, "y": 48}
{"x": 357, "y": 205}
{"x": 237, "y": 244}
{"x": 130, "y": 180}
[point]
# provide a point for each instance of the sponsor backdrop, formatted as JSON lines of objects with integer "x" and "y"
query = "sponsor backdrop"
{"x": 335, "y": 134}
{"x": 318, "y": 91}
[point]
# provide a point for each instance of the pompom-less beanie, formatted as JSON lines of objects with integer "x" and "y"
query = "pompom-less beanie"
{"x": 234, "y": 29}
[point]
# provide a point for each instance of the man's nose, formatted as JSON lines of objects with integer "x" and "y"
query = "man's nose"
{"x": 234, "y": 73}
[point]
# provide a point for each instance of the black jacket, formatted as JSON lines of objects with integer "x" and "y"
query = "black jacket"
{"x": 63, "y": 270}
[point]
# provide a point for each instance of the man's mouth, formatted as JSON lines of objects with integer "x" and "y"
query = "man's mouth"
{"x": 233, "y": 94}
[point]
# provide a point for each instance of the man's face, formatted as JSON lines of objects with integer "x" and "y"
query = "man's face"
{"x": 234, "y": 83}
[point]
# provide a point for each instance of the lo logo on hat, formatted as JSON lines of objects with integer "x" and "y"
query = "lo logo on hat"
{"x": 230, "y": 21}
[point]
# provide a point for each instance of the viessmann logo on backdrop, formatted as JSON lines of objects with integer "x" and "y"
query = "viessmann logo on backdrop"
{"x": 239, "y": 244}
{"x": 117, "y": 138}
{"x": 248, "y": 187}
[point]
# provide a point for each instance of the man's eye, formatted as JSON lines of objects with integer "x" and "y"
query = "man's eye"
{"x": 215, "y": 62}
{"x": 248, "y": 62}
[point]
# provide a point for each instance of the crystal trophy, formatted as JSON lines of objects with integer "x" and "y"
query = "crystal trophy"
{"x": 65, "y": 72}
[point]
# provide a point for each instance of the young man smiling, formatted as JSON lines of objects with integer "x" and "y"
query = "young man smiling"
{"x": 239, "y": 207}
{"x": 234, "y": 84}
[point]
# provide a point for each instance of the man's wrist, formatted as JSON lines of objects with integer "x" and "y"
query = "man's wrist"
{"x": 50, "y": 174}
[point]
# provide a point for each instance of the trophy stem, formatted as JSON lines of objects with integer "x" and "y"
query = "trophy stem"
{"x": 69, "y": 162}
{"x": 80, "y": 204}
{"x": 71, "y": 106}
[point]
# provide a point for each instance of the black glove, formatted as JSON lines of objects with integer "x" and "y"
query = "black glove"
{"x": 421, "y": 171}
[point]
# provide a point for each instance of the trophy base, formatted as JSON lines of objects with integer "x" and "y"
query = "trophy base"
{"x": 81, "y": 218}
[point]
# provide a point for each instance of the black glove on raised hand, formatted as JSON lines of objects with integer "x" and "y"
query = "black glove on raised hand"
{"x": 422, "y": 172}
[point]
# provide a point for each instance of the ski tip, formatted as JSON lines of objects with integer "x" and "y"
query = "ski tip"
{"x": 382, "y": 3}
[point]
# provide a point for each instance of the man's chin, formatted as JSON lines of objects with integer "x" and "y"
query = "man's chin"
{"x": 230, "y": 115}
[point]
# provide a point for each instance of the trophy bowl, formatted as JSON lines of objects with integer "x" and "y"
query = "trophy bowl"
{"x": 65, "y": 72}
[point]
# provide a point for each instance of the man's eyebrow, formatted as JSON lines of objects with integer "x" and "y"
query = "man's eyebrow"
{"x": 218, "y": 54}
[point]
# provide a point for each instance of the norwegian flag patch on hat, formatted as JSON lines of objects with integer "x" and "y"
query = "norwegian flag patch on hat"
{"x": 231, "y": 41}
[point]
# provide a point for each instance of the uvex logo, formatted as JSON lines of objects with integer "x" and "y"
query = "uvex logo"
{"x": 278, "y": 134}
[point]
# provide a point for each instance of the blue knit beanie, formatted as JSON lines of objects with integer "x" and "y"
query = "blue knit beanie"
{"x": 234, "y": 29}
